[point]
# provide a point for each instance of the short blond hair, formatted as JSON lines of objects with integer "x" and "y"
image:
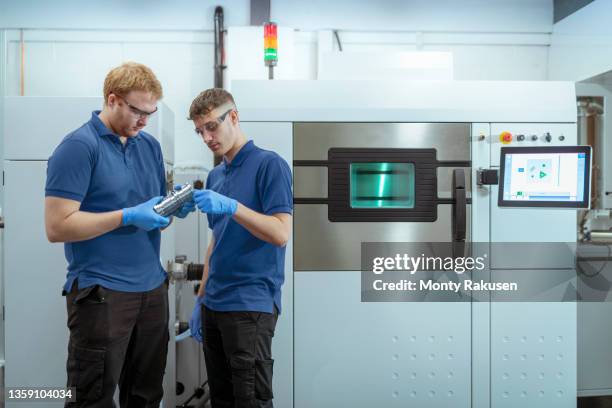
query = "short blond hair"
{"x": 131, "y": 76}
{"x": 209, "y": 100}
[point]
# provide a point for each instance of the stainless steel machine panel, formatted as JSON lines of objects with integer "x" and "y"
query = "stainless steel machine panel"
{"x": 313, "y": 140}
{"x": 326, "y": 245}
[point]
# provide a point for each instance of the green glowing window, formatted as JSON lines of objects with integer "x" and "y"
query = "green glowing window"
{"x": 382, "y": 185}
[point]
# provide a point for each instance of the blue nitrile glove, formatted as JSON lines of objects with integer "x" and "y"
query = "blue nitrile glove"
{"x": 143, "y": 216}
{"x": 195, "y": 323}
{"x": 211, "y": 202}
{"x": 188, "y": 206}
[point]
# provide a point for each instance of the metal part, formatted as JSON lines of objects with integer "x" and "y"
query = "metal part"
{"x": 604, "y": 237}
{"x": 313, "y": 140}
{"x": 487, "y": 177}
{"x": 179, "y": 271}
{"x": 219, "y": 47}
{"x": 180, "y": 327}
{"x": 195, "y": 271}
{"x": 310, "y": 182}
{"x": 337, "y": 37}
{"x": 174, "y": 201}
{"x": 591, "y": 124}
{"x": 219, "y": 57}
{"x": 458, "y": 224}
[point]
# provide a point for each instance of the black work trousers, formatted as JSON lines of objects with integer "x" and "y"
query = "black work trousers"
{"x": 238, "y": 355}
{"x": 117, "y": 338}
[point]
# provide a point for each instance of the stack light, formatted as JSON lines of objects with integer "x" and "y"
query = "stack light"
{"x": 270, "y": 44}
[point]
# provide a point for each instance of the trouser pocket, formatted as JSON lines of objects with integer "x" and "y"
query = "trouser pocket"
{"x": 85, "y": 370}
{"x": 92, "y": 294}
{"x": 263, "y": 379}
{"x": 243, "y": 380}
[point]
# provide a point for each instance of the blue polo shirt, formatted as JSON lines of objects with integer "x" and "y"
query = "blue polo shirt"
{"x": 245, "y": 272}
{"x": 92, "y": 166}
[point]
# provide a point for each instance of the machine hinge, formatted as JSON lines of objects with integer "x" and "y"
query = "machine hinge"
{"x": 487, "y": 177}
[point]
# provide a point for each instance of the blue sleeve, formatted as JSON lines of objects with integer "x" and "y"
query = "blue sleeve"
{"x": 274, "y": 186}
{"x": 209, "y": 217}
{"x": 69, "y": 170}
{"x": 162, "y": 172}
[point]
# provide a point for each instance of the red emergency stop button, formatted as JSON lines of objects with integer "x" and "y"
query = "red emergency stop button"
{"x": 505, "y": 137}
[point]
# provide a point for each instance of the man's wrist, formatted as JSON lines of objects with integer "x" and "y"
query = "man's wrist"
{"x": 125, "y": 216}
{"x": 233, "y": 207}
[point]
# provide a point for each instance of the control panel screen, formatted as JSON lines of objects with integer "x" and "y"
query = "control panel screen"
{"x": 545, "y": 176}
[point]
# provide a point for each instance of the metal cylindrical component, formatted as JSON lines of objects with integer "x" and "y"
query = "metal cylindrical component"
{"x": 195, "y": 272}
{"x": 174, "y": 201}
{"x": 176, "y": 271}
{"x": 185, "y": 271}
{"x": 600, "y": 236}
{"x": 181, "y": 327}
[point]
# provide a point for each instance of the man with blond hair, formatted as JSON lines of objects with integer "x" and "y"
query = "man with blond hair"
{"x": 248, "y": 202}
{"x": 102, "y": 183}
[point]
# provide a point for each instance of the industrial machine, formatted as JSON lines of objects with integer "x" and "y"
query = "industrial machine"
{"x": 437, "y": 144}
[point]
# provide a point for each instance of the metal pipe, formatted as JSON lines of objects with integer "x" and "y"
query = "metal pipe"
{"x": 219, "y": 57}
{"x": 600, "y": 236}
{"x": 337, "y": 36}
{"x": 174, "y": 201}
{"x": 219, "y": 47}
{"x": 178, "y": 271}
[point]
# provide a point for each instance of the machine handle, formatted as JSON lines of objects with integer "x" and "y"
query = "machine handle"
{"x": 459, "y": 206}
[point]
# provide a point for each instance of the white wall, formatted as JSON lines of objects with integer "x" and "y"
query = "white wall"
{"x": 476, "y": 56}
{"x": 416, "y": 15}
{"x": 489, "y": 39}
{"x": 75, "y": 63}
{"x": 121, "y": 14}
{"x": 581, "y": 44}
{"x": 364, "y": 15}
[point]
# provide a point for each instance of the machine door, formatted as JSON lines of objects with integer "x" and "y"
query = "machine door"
{"x": 375, "y": 182}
